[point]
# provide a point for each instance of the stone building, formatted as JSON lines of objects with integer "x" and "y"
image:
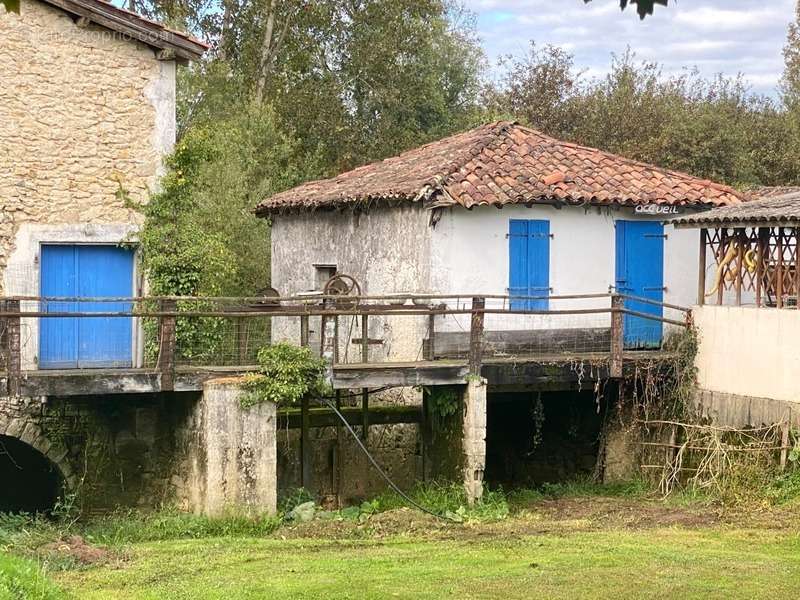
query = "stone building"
{"x": 87, "y": 111}
{"x": 543, "y": 231}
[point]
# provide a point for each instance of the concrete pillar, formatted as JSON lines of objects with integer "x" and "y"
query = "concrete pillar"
{"x": 474, "y": 437}
{"x": 239, "y": 473}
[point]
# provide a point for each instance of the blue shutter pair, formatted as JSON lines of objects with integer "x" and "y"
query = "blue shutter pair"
{"x": 529, "y": 264}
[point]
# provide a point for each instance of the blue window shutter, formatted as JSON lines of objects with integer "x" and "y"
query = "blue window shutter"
{"x": 58, "y": 336}
{"x": 518, "y": 262}
{"x": 539, "y": 264}
{"x": 529, "y": 263}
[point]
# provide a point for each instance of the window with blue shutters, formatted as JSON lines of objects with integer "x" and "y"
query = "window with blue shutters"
{"x": 529, "y": 263}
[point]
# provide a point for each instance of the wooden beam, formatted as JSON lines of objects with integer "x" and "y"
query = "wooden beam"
{"x": 476, "y": 336}
{"x": 430, "y": 347}
{"x": 324, "y": 417}
{"x": 133, "y": 26}
{"x": 304, "y": 331}
{"x": 305, "y": 444}
{"x": 364, "y": 391}
{"x": 617, "y": 335}
{"x": 701, "y": 280}
{"x": 167, "y": 345}
{"x": 455, "y": 344}
{"x": 410, "y": 374}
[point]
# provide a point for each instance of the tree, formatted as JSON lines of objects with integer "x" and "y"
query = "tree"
{"x": 790, "y": 82}
{"x": 643, "y": 7}
{"x": 711, "y": 128}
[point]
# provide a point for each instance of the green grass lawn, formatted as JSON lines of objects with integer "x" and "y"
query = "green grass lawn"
{"x": 570, "y": 542}
{"x": 663, "y": 562}
{"x": 23, "y": 579}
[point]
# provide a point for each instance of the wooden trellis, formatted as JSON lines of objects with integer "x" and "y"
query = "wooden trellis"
{"x": 759, "y": 260}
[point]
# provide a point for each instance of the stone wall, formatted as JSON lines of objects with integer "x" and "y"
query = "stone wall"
{"x": 229, "y": 454}
{"x": 83, "y": 114}
{"x": 113, "y": 451}
{"x": 396, "y": 448}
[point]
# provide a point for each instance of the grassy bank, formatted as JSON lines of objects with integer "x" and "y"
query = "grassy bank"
{"x": 24, "y": 579}
{"x": 664, "y": 562}
{"x": 573, "y": 540}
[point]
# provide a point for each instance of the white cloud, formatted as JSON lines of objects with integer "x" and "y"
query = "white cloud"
{"x": 717, "y": 36}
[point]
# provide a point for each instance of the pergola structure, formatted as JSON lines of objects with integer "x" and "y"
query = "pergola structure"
{"x": 754, "y": 246}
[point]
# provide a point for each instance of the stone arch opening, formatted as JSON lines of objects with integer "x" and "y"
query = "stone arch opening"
{"x": 31, "y": 482}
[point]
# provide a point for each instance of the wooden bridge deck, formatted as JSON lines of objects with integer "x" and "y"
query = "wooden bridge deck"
{"x": 543, "y": 371}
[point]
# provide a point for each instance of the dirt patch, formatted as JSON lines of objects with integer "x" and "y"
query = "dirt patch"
{"x": 401, "y": 521}
{"x": 76, "y": 549}
{"x": 550, "y": 516}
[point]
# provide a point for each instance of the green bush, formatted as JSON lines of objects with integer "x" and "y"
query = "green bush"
{"x": 286, "y": 374}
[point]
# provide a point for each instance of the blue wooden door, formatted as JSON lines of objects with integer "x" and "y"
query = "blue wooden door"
{"x": 640, "y": 272}
{"x": 86, "y": 272}
{"x": 529, "y": 263}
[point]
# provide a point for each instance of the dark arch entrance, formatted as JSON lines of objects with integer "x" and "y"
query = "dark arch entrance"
{"x": 29, "y": 481}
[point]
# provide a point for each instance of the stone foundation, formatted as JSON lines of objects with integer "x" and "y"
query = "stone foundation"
{"x": 474, "y": 440}
{"x": 231, "y": 454}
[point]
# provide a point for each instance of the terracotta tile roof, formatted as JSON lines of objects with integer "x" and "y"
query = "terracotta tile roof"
{"x": 504, "y": 163}
{"x": 183, "y": 46}
{"x": 766, "y": 211}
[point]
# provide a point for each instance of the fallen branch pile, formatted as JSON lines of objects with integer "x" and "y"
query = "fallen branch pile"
{"x": 705, "y": 456}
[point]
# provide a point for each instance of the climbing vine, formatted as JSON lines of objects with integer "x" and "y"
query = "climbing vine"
{"x": 443, "y": 402}
{"x": 286, "y": 374}
{"x": 664, "y": 388}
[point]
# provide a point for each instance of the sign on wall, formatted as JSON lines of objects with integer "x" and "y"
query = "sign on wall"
{"x": 657, "y": 209}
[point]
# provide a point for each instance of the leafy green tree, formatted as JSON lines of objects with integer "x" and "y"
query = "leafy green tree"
{"x": 713, "y": 128}
{"x": 199, "y": 236}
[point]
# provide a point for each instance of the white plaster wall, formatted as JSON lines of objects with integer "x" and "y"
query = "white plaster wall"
{"x": 469, "y": 253}
{"x": 386, "y": 249}
{"x": 749, "y": 351}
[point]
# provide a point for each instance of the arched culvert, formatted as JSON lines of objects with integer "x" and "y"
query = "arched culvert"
{"x": 31, "y": 482}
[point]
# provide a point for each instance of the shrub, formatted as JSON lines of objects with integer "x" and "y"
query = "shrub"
{"x": 286, "y": 374}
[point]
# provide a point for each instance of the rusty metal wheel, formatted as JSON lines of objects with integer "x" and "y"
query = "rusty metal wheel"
{"x": 345, "y": 286}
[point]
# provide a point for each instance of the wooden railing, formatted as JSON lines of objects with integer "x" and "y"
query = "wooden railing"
{"x": 228, "y": 318}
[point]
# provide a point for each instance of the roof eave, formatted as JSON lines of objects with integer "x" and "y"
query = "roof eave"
{"x": 180, "y": 48}
{"x": 734, "y": 223}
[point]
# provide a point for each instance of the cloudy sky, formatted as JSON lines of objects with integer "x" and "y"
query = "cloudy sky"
{"x": 717, "y": 36}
